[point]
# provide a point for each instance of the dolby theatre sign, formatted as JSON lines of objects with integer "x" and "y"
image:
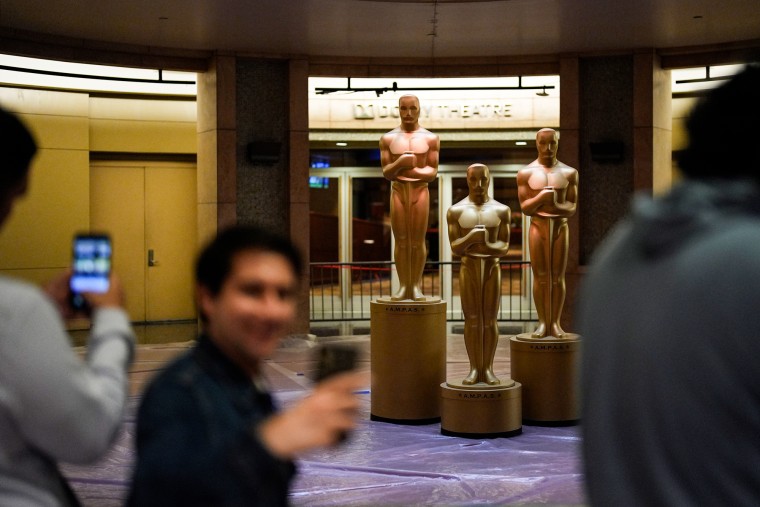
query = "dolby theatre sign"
{"x": 342, "y": 112}
{"x": 485, "y": 110}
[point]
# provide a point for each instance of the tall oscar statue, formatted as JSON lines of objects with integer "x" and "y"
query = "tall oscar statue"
{"x": 408, "y": 329}
{"x": 544, "y": 361}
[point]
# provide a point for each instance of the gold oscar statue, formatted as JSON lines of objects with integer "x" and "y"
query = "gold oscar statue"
{"x": 548, "y": 193}
{"x": 479, "y": 234}
{"x": 545, "y": 361}
{"x": 407, "y": 327}
{"x": 481, "y": 404}
{"x": 409, "y": 157}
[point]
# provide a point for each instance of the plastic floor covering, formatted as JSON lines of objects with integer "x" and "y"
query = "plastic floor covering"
{"x": 380, "y": 464}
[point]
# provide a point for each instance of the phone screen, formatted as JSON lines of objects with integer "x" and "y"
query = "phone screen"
{"x": 91, "y": 265}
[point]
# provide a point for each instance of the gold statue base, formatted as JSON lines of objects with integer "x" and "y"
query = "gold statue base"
{"x": 407, "y": 360}
{"x": 481, "y": 410}
{"x": 547, "y": 368}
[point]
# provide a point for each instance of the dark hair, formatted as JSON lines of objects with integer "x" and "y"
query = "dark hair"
{"x": 17, "y": 147}
{"x": 731, "y": 108}
{"x": 215, "y": 260}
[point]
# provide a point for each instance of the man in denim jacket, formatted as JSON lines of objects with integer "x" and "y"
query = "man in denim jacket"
{"x": 208, "y": 432}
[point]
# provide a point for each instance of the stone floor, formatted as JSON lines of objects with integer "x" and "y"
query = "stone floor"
{"x": 381, "y": 464}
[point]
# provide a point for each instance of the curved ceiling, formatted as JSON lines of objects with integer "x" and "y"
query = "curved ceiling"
{"x": 391, "y": 29}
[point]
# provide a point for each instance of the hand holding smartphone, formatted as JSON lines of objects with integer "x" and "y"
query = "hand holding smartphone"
{"x": 334, "y": 358}
{"x": 91, "y": 266}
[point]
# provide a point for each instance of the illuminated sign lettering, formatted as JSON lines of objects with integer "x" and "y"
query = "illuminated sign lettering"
{"x": 482, "y": 110}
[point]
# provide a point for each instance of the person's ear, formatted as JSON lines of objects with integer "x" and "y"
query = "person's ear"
{"x": 205, "y": 299}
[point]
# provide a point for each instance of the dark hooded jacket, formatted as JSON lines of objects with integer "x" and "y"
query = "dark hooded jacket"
{"x": 670, "y": 321}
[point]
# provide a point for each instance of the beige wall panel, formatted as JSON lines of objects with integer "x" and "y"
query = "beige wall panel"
{"x": 662, "y": 158}
{"x": 143, "y": 110}
{"x": 680, "y": 138}
{"x": 207, "y": 168}
{"x": 207, "y": 223}
{"x": 59, "y": 132}
{"x": 662, "y": 99}
{"x": 45, "y": 102}
{"x": 38, "y": 234}
{"x": 142, "y": 136}
{"x": 681, "y": 107}
{"x": 56, "y": 119}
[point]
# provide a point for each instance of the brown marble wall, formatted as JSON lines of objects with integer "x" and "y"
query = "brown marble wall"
{"x": 262, "y": 116}
{"x": 606, "y": 116}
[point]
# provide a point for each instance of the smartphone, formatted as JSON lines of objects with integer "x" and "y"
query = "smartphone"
{"x": 334, "y": 358}
{"x": 91, "y": 265}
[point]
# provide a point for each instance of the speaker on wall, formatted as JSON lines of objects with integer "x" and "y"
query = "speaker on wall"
{"x": 264, "y": 152}
{"x": 606, "y": 151}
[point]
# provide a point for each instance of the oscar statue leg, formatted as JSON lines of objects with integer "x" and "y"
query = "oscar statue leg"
{"x": 559, "y": 264}
{"x": 400, "y": 228}
{"x": 419, "y": 211}
{"x": 539, "y": 253}
{"x": 470, "y": 290}
{"x": 490, "y": 310}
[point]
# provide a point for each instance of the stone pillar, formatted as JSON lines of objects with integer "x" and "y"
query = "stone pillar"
{"x": 652, "y": 124}
{"x": 246, "y": 100}
{"x": 605, "y": 116}
{"x": 217, "y": 165}
{"x": 624, "y": 99}
{"x": 298, "y": 171}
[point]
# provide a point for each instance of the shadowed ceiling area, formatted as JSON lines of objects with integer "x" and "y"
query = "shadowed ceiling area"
{"x": 388, "y": 29}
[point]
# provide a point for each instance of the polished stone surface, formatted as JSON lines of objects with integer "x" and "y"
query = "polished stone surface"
{"x": 381, "y": 463}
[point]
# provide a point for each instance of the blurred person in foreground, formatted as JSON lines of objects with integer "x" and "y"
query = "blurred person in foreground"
{"x": 53, "y": 406}
{"x": 208, "y": 432}
{"x": 669, "y": 314}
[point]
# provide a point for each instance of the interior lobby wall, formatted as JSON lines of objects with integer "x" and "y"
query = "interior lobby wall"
{"x": 142, "y": 125}
{"x": 36, "y": 243}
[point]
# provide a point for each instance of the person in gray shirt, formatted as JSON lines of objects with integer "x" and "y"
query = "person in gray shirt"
{"x": 53, "y": 405}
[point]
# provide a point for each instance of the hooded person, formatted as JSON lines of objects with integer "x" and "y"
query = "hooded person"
{"x": 669, "y": 315}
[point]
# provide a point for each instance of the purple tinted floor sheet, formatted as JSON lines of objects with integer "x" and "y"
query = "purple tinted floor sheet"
{"x": 390, "y": 464}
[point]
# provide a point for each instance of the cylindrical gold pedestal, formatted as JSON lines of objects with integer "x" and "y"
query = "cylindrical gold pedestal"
{"x": 481, "y": 412}
{"x": 547, "y": 368}
{"x": 407, "y": 360}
